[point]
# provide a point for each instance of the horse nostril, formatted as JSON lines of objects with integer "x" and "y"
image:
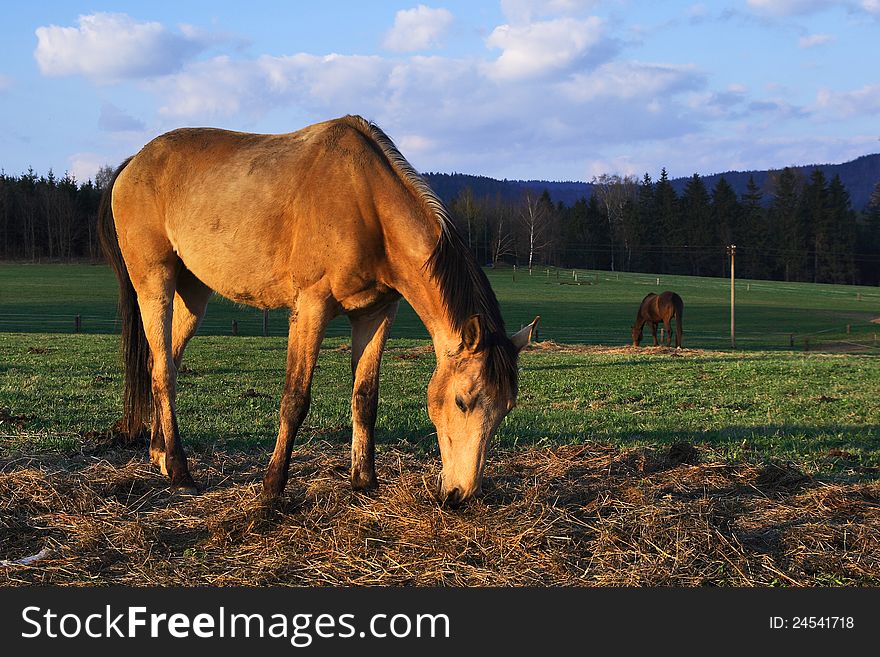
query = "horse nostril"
{"x": 454, "y": 498}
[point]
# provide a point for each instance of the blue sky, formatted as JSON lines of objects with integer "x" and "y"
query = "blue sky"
{"x": 553, "y": 89}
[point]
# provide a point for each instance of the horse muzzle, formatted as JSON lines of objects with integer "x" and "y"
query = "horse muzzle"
{"x": 454, "y": 496}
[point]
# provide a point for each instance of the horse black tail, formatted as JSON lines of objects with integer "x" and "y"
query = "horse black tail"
{"x": 679, "y": 311}
{"x": 137, "y": 398}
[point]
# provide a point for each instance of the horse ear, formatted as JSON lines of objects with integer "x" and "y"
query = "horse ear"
{"x": 471, "y": 333}
{"x": 522, "y": 337}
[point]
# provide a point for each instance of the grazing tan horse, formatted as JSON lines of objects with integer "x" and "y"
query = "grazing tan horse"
{"x": 657, "y": 308}
{"x": 327, "y": 220}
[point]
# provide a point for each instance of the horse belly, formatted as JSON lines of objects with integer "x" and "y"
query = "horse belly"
{"x": 245, "y": 269}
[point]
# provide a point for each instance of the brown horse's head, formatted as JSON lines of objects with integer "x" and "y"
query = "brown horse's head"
{"x": 636, "y": 334}
{"x": 473, "y": 388}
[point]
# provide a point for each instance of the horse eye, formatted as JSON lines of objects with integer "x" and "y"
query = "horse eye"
{"x": 460, "y": 403}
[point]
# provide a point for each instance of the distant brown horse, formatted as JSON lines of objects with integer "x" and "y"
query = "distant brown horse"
{"x": 657, "y": 308}
{"x": 324, "y": 221}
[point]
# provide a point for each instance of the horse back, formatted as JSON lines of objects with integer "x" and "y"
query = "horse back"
{"x": 284, "y": 212}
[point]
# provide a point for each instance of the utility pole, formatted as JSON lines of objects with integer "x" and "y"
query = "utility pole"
{"x": 731, "y": 251}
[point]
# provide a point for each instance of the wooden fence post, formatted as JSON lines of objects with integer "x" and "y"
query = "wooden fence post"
{"x": 77, "y": 324}
{"x": 234, "y": 327}
{"x": 265, "y": 323}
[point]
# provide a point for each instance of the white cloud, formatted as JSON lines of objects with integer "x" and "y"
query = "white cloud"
{"x": 848, "y": 104}
{"x": 418, "y": 29}
{"x": 631, "y": 80}
{"x": 788, "y": 8}
{"x": 84, "y": 166}
{"x": 697, "y": 12}
{"x": 791, "y": 7}
{"x": 553, "y": 98}
{"x": 546, "y": 47}
{"x": 622, "y": 165}
{"x": 109, "y": 47}
{"x": 527, "y": 11}
{"x": 223, "y": 87}
{"x": 446, "y": 114}
{"x": 813, "y": 40}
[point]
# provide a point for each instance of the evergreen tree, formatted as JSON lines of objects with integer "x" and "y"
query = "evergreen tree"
{"x": 841, "y": 222}
{"x": 814, "y": 206}
{"x": 726, "y": 216}
{"x": 787, "y": 225}
{"x": 868, "y": 241}
{"x": 648, "y": 235}
{"x": 599, "y": 247}
{"x": 670, "y": 228}
{"x": 574, "y": 234}
{"x": 753, "y": 242}
{"x": 696, "y": 216}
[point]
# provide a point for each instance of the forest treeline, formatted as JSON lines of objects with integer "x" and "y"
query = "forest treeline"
{"x": 805, "y": 229}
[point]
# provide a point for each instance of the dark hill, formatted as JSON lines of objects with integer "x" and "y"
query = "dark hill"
{"x": 859, "y": 176}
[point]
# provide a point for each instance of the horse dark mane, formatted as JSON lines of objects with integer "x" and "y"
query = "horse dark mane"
{"x": 466, "y": 292}
{"x": 463, "y": 284}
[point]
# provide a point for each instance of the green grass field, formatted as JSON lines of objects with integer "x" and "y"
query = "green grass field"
{"x": 768, "y": 399}
{"x": 597, "y": 310}
{"x": 588, "y": 482}
{"x": 820, "y": 410}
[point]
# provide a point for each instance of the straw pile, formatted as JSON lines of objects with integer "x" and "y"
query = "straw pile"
{"x": 585, "y": 515}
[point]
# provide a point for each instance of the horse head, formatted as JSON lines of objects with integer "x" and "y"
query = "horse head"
{"x": 636, "y": 334}
{"x": 473, "y": 388}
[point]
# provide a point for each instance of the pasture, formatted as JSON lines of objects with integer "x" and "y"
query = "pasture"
{"x": 587, "y": 307}
{"x": 756, "y": 467}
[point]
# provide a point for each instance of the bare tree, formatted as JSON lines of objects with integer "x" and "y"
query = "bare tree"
{"x": 614, "y": 192}
{"x": 535, "y": 215}
{"x": 103, "y": 177}
{"x": 875, "y": 197}
{"x": 500, "y": 216}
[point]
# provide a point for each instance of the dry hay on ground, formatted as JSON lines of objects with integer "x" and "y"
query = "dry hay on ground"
{"x": 585, "y": 515}
{"x": 556, "y": 347}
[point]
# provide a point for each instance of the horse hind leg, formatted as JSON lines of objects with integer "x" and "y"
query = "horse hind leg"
{"x": 368, "y": 336}
{"x": 155, "y": 286}
{"x": 190, "y": 301}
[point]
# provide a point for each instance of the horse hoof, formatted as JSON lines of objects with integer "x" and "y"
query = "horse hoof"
{"x": 185, "y": 490}
{"x": 364, "y": 484}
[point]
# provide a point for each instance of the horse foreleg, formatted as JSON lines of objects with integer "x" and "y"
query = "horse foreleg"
{"x": 368, "y": 336}
{"x": 305, "y": 332}
{"x": 654, "y": 332}
{"x": 668, "y": 328}
{"x": 190, "y": 300}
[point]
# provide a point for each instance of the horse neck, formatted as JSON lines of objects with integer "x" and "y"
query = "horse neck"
{"x": 413, "y": 280}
